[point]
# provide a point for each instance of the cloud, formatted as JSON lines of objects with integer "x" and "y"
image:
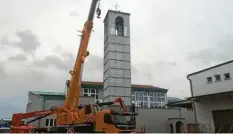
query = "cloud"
{"x": 18, "y": 57}
{"x": 154, "y": 73}
{"x": 2, "y": 70}
{"x": 185, "y": 27}
{"x": 134, "y": 69}
{"x": 36, "y": 75}
{"x": 4, "y": 40}
{"x": 74, "y": 14}
{"x": 221, "y": 52}
{"x": 54, "y": 61}
{"x": 93, "y": 68}
{"x": 29, "y": 41}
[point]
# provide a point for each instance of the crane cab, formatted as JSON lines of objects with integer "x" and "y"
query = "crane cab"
{"x": 108, "y": 121}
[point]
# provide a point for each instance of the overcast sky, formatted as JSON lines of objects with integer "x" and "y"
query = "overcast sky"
{"x": 169, "y": 39}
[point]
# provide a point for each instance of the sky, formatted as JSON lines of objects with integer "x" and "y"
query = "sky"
{"x": 169, "y": 39}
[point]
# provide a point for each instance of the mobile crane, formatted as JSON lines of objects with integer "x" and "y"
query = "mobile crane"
{"x": 87, "y": 118}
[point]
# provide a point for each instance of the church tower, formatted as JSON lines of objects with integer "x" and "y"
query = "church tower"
{"x": 117, "y": 65}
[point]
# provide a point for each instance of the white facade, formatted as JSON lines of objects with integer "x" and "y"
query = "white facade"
{"x": 201, "y": 86}
{"x": 212, "y": 92}
{"x": 205, "y": 106}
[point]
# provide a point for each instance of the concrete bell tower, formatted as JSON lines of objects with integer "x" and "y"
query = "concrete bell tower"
{"x": 117, "y": 65}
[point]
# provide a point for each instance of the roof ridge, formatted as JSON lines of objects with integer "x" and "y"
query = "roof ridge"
{"x": 203, "y": 70}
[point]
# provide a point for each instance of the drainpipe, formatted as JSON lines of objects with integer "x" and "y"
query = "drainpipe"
{"x": 193, "y": 104}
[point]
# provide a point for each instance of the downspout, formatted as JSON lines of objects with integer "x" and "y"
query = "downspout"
{"x": 194, "y": 108}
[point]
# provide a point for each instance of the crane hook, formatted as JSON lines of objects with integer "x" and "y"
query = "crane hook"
{"x": 98, "y": 11}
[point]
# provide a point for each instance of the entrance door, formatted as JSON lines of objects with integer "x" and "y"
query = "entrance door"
{"x": 223, "y": 120}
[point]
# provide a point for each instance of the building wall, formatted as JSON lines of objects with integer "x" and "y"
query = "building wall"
{"x": 50, "y": 103}
{"x": 205, "y": 107}
{"x": 38, "y": 104}
{"x": 35, "y": 103}
{"x": 200, "y": 86}
{"x": 188, "y": 115}
{"x": 156, "y": 120}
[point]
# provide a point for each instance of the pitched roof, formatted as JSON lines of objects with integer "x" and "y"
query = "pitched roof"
{"x": 173, "y": 99}
{"x": 210, "y": 68}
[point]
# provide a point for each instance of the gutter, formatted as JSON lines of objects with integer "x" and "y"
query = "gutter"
{"x": 194, "y": 108}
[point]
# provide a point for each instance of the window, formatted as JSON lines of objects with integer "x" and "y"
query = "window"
{"x": 85, "y": 94}
{"x": 189, "y": 109}
{"x": 150, "y": 99}
{"x": 227, "y": 76}
{"x": 47, "y": 122}
{"x": 51, "y": 122}
{"x": 93, "y": 95}
{"x": 86, "y": 90}
{"x": 217, "y": 78}
{"x": 96, "y": 97}
{"x": 107, "y": 119}
{"x": 209, "y": 79}
{"x": 119, "y": 26}
{"x": 54, "y": 122}
{"x": 92, "y": 90}
{"x": 89, "y": 92}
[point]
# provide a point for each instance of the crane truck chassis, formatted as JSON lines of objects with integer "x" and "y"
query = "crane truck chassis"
{"x": 97, "y": 120}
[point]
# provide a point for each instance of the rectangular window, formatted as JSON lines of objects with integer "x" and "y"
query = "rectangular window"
{"x": 145, "y": 94}
{"x": 93, "y": 95}
{"x": 96, "y": 97}
{"x": 209, "y": 79}
{"x": 51, "y": 122}
{"x": 54, "y": 122}
{"x": 227, "y": 76}
{"x": 145, "y": 104}
{"x": 151, "y": 99}
{"x": 141, "y": 99}
{"x": 137, "y": 98}
{"x": 86, "y": 90}
{"x": 217, "y": 78}
{"x": 163, "y": 99}
{"x": 85, "y": 94}
{"x": 47, "y": 122}
{"x": 151, "y": 93}
{"x": 92, "y": 90}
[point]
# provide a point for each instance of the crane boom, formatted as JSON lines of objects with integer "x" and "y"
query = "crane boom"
{"x": 72, "y": 99}
{"x": 71, "y": 117}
